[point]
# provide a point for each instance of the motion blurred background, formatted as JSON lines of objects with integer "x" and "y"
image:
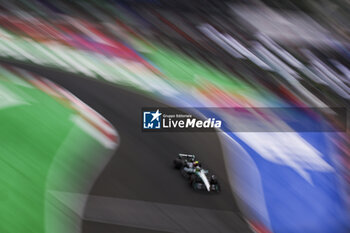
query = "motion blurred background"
{"x": 205, "y": 53}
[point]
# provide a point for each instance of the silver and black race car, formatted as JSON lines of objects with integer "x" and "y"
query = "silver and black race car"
{"x": 199, "y": 178}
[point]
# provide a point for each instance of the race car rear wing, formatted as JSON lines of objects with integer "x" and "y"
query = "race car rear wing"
{"x": 187, "y": 156}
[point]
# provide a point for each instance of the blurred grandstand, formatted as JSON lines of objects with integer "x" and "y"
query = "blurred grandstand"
{"x": 278, "y": 48}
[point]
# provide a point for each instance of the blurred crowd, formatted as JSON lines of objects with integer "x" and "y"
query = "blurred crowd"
{"x": 287, "y": 50}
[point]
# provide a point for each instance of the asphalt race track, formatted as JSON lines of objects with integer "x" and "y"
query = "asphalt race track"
{"x": 139, "y": 191}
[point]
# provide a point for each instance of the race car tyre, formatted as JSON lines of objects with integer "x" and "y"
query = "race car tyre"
{"x": 178, "y": 163}
{"x": 213, "y": 181}
{"x": 196, "y": 186}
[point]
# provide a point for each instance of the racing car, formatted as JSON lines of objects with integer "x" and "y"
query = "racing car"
{"x": 199, "y": 178}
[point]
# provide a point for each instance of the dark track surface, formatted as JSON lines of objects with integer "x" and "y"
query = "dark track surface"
{"x": 141, "y": 168}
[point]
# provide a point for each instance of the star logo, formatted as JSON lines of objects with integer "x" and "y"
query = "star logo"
{"x": 156, "y": 115}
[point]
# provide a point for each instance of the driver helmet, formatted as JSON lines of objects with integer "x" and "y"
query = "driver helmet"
{"x": 195, "y": 163}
